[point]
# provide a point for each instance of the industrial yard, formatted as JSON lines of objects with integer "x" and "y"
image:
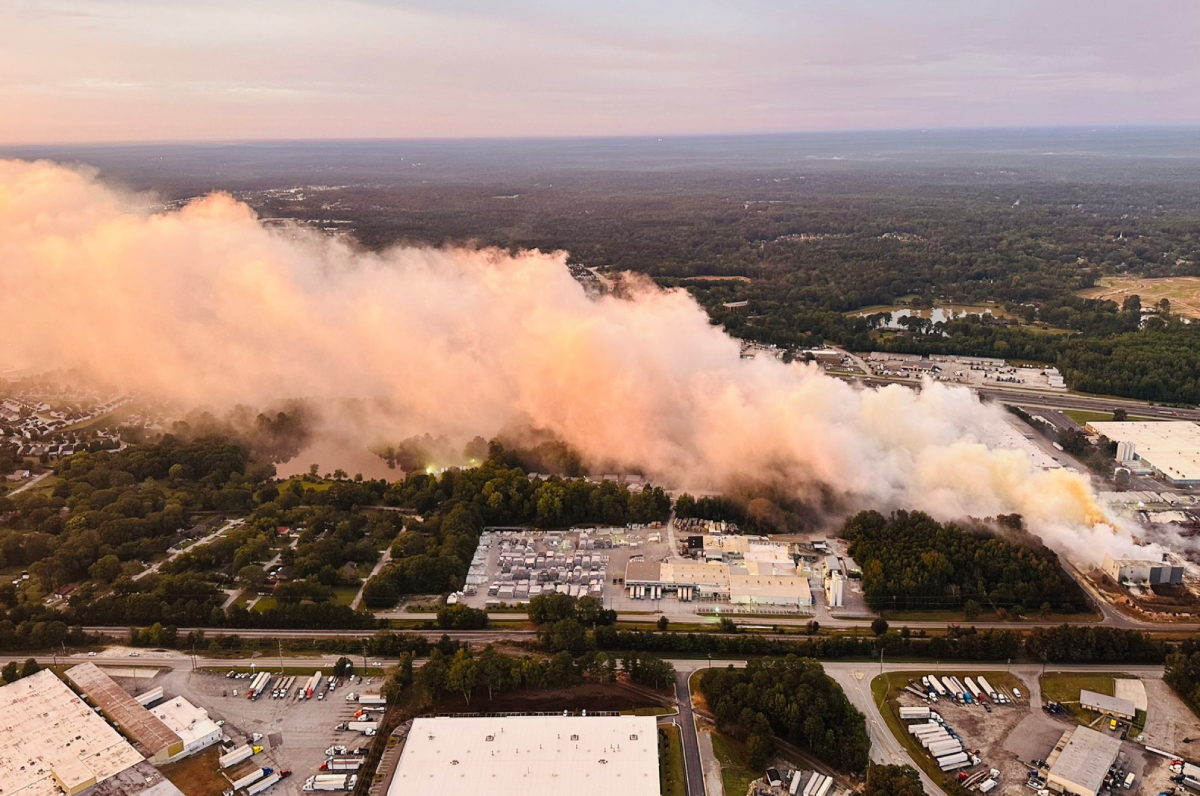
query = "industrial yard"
{"x": 294, "y": 734}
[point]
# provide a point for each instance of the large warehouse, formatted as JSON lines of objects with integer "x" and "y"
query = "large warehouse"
{"x": 1082, "y": 765}
{"x": 52, "y": 743}
{"x": 1170, "y": 448}
{"x": 523, "y": 755}
{"x": 156, "y": 740}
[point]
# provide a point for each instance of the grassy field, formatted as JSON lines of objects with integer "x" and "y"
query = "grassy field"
{"x": 1065, "y": 688}
{"x": 671, "y": 778}
{"x": 1083, "y": 416}
{"x": 344, "y": 595}
{"x": 735, "y": 775}
{"x": 1182, "y": 291}
{"x": 197, "y": 775}
{"x": 265, "y": 604}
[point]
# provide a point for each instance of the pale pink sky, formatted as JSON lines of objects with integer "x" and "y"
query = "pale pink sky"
{"x": 124, "y": 70}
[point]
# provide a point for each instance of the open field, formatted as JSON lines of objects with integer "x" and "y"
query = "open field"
{"x": 1084, "y": 416}
{"x": 1182, "y": 291}
{"x": 736, "y": 776}
{"x": 198, "y": 775}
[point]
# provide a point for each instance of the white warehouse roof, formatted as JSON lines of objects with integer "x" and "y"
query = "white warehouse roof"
{"x": 1084, "y": 761}
{"x": 523, "y": 755}
{"x": 1171, "y": 447}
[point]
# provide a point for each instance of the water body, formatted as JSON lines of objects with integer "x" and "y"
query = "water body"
{"x": 943, "y": 314}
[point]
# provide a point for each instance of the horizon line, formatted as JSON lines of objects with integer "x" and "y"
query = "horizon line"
{"x": 1149, "y": 126}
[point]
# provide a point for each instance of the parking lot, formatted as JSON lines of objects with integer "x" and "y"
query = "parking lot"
{"x": 513, "y": 565}
{"x": 295, "y": 734}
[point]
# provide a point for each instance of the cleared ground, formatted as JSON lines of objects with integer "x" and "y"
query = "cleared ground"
{"x": 989, "y": 733}
{"x": 1182, "y": 291}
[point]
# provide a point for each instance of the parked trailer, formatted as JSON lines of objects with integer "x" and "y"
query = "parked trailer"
{"x": 921, "y": 729}
{"x": 331, "y": 782}
{"x": 253, "y": 776}
{"x": 262, "y": 784}
{"x": 365, "y": 727}
{"x": 949, "y": 686}
{"x": 929, "y": 740}
{"x": 911, "y": 714}
{"x": 1187, "y": 769}
{"x": 343, "y": 763}
{"x": 825, "y": 786}
{"x": 794, "y": 787}
{"x": 954, "y": 761}
{"x": 235, "y": 756}
{"x": 936, "y": 682}
{"x": 916, "y": 692}
{"x": 972, "y": 687}
{"x": 371, "y": 699}
{"x": 986, "y": 686}
{"x": 314, "y": 683}
{"x": 813, "y": 781}
{"x": 942, "y": 748}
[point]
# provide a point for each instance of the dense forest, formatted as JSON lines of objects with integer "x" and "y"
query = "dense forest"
{"x": 790, "y": 698}
{"x": 1183, "y": 672}
{"x": 910, "y": 561}
{"x": 892, "y": 781}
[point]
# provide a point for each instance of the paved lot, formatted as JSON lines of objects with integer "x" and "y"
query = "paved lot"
{"x": 295, "y": 734}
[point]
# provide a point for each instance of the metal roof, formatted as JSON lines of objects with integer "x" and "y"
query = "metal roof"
{"x": 523, "y": 755}
{"x": 118, "y": 704}
{"x": 1085, "y": 759}
{"x": 1107, "y": 704}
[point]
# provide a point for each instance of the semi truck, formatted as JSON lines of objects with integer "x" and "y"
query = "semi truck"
{"x": 343, "y": 763}
{"x": 365, "y": 727}
{"x": 331, "y": 782}
{"x": 235, "y": 756}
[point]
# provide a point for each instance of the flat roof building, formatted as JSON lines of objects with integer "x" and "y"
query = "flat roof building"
{"x": 189, "y": 722}
{"x": 523, "y": 755}
{"x": 1083, "y": 763}
{"x": 157, "y": 741}
{"x": 52, "y": 743}
{"x": 1171, "y": 448}
{"x": 1142, "y": 571}
{"x": 1108, "y": 705}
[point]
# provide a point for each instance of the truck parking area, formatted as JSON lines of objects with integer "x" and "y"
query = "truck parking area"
{"x": 295, "y": 734}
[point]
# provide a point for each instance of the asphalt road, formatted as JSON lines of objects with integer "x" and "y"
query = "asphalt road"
{"x": 687, "y": 730}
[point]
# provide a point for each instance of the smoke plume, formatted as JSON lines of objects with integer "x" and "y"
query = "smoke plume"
{"x": 207, "y": 307}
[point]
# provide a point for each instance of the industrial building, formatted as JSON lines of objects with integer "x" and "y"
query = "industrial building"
{"x": 154, "y": 739}
{"x": 1142, "y": 571}
{"x": 52, "y": 743}
{"x": 1108, "y": 705}
{"x": 743, "y": 570}
{"x": 1170, "y": 448}
{"x": 520, "y": 755}
{"x": 1079, "y": 766}
{"x": 190, "y": 723}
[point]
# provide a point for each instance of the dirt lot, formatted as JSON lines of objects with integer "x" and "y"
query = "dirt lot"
{"x": 989, "y": 733}
{"x": 295, "y": 734}
{"x": 1182, "y": 291}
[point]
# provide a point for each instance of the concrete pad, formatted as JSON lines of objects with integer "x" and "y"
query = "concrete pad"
{"x": 1132, "y": 690}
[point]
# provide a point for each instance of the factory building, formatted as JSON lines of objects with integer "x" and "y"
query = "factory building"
{"x": 52, "y": 743}
{"x": 189, "y": 722}
{"x": 520, "y": 755}
{"x": 1171, "y": 449}
{"x": 739, "y": 569}
{"x": 1078, "y": 766}
{"x": 1142, "y": 571}
{"x": 1108, "y": 705}
{"x": 153, "y": 738}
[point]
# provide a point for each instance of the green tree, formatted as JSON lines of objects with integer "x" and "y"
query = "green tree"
{"x": 879, "y": 626}
{"x": 11, "y": 673}
{"x": 106, "y": 569}
{"x": 893, "y": 781}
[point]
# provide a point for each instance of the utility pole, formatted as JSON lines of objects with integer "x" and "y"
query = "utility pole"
{"x": 280, "y": 642}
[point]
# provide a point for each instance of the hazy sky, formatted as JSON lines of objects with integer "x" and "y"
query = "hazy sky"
{"x": 113, "y": 70}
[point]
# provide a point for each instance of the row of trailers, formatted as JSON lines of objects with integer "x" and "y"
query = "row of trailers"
{"x": 968, "y": 690}
{"x": 817, "y": 785}
{"x": 946, "y": 748}
{"x": 281, "y": 687}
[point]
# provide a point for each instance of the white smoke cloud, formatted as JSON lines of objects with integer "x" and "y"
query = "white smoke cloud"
{"x": 207, "y": 307}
